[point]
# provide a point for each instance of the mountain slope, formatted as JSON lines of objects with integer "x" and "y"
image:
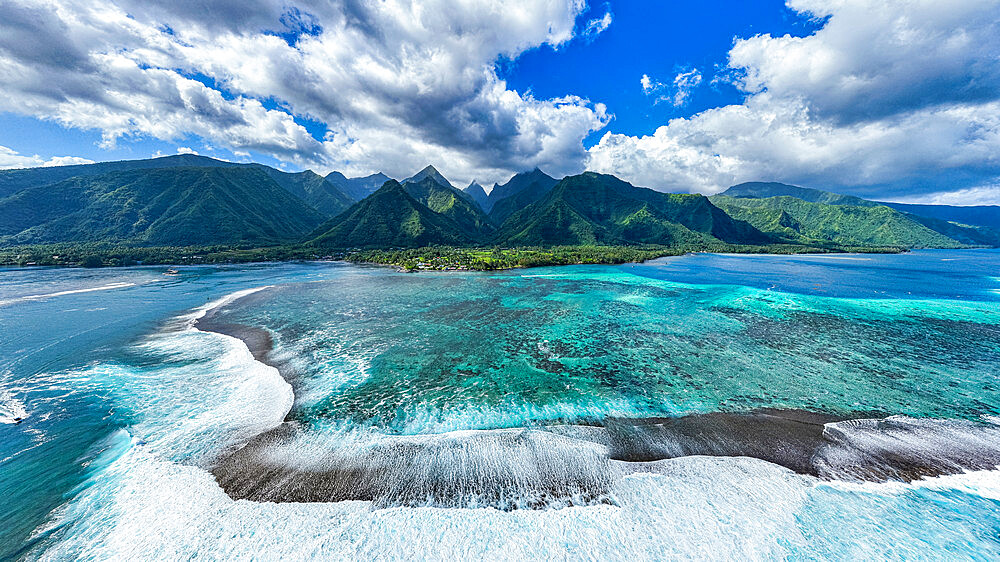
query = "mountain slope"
{"x": 327, "y": 198}
{"x": 478, "y": 194}
{"x": 12, "y": 181}
{"x": 429, "y": 172}
{"x": 760, "y": 190}
{"x": 520, "y": 191}
{"x": 949, "y": 222}
{"x": 798, "y": 221}
{"x": 358, "y": 188}
{"x": 389, "y": 218}
{"x": 979, "y": 215}
{"x": 601, "y": 209}
{"x": 314, "y": 189}
{"x": 449, "y": 202}
{"x": 168, "y": 206}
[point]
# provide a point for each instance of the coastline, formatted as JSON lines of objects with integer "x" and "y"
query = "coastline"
{"x": 445, "y": 257}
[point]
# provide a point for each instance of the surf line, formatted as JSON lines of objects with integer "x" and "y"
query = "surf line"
{"x": 108, "y": 287}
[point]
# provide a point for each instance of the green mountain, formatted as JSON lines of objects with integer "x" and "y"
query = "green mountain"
{"x": 165, "y": 206}
{"x": 325, "y": 197}
{"x": 389, "y": 218}
{"x": 520, "y": 191}
{"x": 760, "y": 190}
{"x": 358, "y": 188}
{"x": 855, "y": 226}
{"x": 592, "y": 208}
{"x": 12, "y": 181}
{"x": 449, "y": 202}
{"x": 314, "y": 189}
{"x": 805, "y": 222}
{"x": 987, "y": 216}
{"x": 478, "y": 194}
{"x": 428, "y": 172}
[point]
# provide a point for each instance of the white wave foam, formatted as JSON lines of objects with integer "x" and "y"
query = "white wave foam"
{"x": 108, "y": 287}
{"x": 204, "y": 309}
{"x": 12, "y": 410}
{"x": 143, "y": 507}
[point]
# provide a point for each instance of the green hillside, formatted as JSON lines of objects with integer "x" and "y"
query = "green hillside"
{"x": 600, "y": 209}
{"x": 519, "y": 192}
{"x": 12, "y": 181}
{"x": 449, "y": 202}
{"x": 314, "y": 189}
{"x": 166, "y": 206}
{"x": 961, "y": 225}
{"x": 389, "y": 218}
{"x": 798, "y": 221}
{"x": 761, "y": 190}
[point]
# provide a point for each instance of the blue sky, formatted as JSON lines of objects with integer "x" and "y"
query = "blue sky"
{"x": 890, "y": 99}
{"x": 658, "y": 39}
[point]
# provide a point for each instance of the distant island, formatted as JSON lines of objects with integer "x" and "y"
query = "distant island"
{"x": 189, "y": 209}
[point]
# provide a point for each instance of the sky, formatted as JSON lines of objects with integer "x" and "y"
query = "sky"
{"x": 888, "y": 99}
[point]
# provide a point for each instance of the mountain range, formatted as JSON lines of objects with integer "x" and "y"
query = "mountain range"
{"x": 194, "y": 200}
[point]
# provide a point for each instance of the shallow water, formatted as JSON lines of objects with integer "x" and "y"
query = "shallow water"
{"x": 469, "y": 392}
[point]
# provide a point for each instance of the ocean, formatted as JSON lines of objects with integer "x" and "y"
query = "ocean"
{"x": 707, "y": 406}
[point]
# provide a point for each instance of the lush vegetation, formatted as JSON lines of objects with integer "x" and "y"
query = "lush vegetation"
{"x": 453, "y": 204}
{"x": 976, "y": 226}
{"x": 797, "y": 221}
{"x": 98, "y": 254}
{"x": 598, "y": 209}
{"x": 389, "y": 218}
{"x": 451, "y": 258}
{"x": 159, "y": 207}
{"x": 191, "y": 209}
{"x": 320, "y": 193}
{"x": 522, "y": 190}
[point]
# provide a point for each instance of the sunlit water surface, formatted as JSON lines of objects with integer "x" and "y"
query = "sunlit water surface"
{"x": 125, "y": 406}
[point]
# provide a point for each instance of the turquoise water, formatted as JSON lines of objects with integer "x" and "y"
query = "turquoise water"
{"x": 126, "y": 407}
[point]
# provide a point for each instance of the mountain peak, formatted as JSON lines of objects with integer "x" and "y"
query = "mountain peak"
{"x": 429, "y": 172}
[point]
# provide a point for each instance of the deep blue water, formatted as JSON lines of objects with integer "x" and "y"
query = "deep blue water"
{"x": 125, "y": 406}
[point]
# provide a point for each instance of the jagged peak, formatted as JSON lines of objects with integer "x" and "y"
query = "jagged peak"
{"x": 429, "y": 172}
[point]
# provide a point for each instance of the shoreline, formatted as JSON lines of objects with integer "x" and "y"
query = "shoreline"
{"x": 469, "y": 258}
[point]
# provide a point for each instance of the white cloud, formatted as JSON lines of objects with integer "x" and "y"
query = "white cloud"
{"x": 597, "y": 26}
{"x": 980, "y": 195}
{"x": 186, "y": 150}
{"x": 684, "y": 82}
{"x": 395, "y": 84}
{"x": 678, "y": 93}
{"x": 10, "y": 158}
{"x": 648, "y": 85}
{"x": 897, "y": 97}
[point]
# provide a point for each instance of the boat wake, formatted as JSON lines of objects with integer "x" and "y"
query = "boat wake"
{"x": 108, "y": 287}
{"x": 12, "y": 410}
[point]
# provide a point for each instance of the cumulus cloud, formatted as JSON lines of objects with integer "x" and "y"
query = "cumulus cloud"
{"x": 388, "y": 85}
{"x": 10, "y": 158}
{"x": 890, "y": 97}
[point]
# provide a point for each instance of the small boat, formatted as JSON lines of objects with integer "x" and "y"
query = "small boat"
{"x": 171, "y": 272}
